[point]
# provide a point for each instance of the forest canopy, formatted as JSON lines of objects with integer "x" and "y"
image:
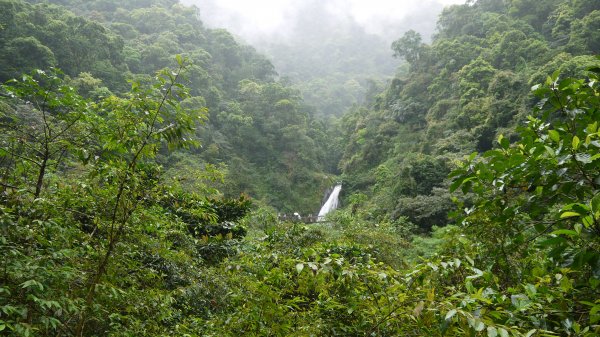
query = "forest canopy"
{"x": 144, "y": 166}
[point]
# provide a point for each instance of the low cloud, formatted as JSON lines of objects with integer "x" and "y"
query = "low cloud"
{"x": 258, "y": 20}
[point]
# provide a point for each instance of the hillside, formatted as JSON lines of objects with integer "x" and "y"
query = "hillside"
{"x": 145, "y": 158}
{"x": 257, "y": 127}
{"x": 467, "y": 87}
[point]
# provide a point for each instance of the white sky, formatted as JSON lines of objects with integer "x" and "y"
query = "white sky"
{"x": 249, "y": 18}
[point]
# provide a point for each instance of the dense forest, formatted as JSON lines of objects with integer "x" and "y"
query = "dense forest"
{"x": 463, "y": 91}
{"x": 144, "y": 159}
{"x": 254, "y": 124}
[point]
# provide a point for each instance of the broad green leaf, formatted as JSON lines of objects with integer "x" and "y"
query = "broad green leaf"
{"x": 450, "y": 314}
{"x": 569, "y": 214}
{"x": 594, "y": 314}
{"x": 477, "y": 324}
{"x": 576, "y": 142}
{"x": 470, "y": 260}
{"x": 550, "y": 151}
{"x": 455, "y": 184}
{"x": 531, "y": 290}
{"x": 554, "y": 76}
{"x": 577, "y": 207}
{"x": 520, "y": 301}
{"x": 565, "y": 284}
{"x": 566, "y": 83}
{"x": 565, "y": 232}
{"x": 504, "y": 142}
{"x": 492, "y": 332}
{"x": 478, "y": 274}
{"x": 502, "y": 332}
{"x": 595, "y": 203}
{"x": 299, "y": 267}
{"x": 583, "y": 158}
{"x": 530, "y": 332}
{"x": 588, "y": 221}
{"x": 32, "y": 283}
{"x": 554, "y": 135}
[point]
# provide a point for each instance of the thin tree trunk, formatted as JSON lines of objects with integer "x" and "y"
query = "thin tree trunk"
{"x": 40, "y": 179}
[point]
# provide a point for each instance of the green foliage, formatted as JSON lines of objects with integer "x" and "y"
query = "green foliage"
{"x": 538, "y": 197}
{"x": 408, "y": 46}
{"x": 39, "y": 56}
{"x": 110, "y": 252}
{"x": 43, "y": 35}
{"x": 56, "y": 120}
{"x": 73, "y": 228}
{"x": 98, "y": 239}
{"x": 425, "y": 211}
{"x": 274, "y": 137}
{"x": 208, "y": 218}
{"x": 462, "y": 91}
{"x": 113, "y": 41}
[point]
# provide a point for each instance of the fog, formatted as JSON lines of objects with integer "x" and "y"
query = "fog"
{"x": 331, "y": 50}
{"x": 258, "y": 20}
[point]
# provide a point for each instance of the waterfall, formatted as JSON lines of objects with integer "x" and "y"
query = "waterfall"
{"x": 331, "y": 203}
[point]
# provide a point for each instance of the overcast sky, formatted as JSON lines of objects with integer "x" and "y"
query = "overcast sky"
{"x": 257, "y": 19}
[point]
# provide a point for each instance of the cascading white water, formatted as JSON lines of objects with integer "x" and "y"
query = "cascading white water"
{"x": 331, "y": 203}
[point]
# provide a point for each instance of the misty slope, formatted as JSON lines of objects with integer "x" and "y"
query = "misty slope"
{"x": 332, "y": 61}
{"x": 105, "y": 231}
{"x": 463, "y": 90}
{"x": 333, "y": 52}
{"x": 259, "y": 128}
